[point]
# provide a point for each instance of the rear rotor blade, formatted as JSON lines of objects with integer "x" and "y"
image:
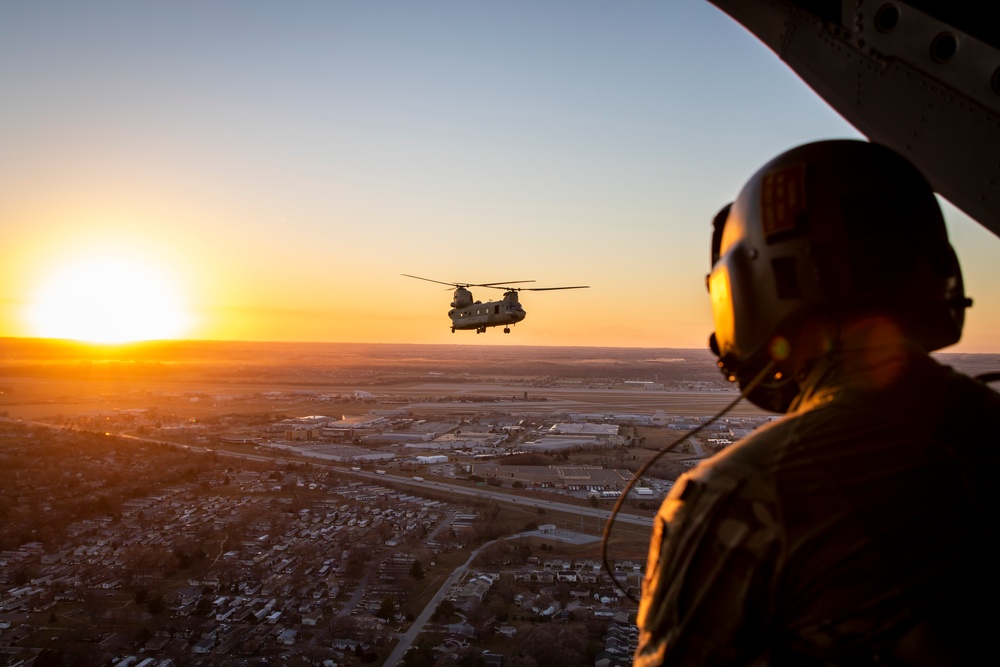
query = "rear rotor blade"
{"x": 531, "y": 289}
{"x": 500, "y": 285}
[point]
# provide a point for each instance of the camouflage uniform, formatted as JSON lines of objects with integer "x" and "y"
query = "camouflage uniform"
{"x": 828, "y": 536}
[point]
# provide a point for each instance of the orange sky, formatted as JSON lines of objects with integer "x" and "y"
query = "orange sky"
{"x": 268, "y": 175}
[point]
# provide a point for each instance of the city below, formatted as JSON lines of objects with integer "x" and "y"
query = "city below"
{"x": 200, "y": 503}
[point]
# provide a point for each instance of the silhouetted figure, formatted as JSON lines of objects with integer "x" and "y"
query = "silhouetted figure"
{"x": 860, "y": 528}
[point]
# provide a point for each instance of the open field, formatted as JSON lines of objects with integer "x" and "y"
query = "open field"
{"x": 41, "y": 378}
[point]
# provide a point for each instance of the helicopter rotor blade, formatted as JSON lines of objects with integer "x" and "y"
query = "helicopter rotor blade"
{"x": 439, "y": 282}
{"x": 500, "y": 285}
{"x": 545, "y": 289}
{"x": 494, "y": 285}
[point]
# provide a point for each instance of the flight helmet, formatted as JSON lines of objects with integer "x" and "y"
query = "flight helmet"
{"x": 836, "y": 229}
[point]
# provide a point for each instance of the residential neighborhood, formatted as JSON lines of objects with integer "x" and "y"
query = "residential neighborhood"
{"x": 416, "y": 524}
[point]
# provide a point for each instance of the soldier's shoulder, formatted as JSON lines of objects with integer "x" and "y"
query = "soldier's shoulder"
{"x": 751, "y": 455}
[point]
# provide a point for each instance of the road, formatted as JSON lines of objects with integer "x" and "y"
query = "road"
{"x": 563, "y": 399}
{"x": 407, "y": 638}
{"x": 480, "y": 493}
{"x": 490, "y": 493}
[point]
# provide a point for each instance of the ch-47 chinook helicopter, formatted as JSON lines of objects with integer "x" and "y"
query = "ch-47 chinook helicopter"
{"x": 468, "y": 314}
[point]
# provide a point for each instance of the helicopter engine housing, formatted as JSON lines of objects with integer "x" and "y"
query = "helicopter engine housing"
{"x": 462, "y": 298}
{"x": 510, "y": 298}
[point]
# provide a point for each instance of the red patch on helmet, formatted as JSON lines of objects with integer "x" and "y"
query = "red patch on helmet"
{"x": 782, "y": 199}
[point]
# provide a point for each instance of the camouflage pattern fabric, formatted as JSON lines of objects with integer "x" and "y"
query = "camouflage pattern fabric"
{"x": 858, "y": 530}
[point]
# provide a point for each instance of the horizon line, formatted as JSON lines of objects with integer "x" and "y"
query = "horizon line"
{"x": 168, "y": 341}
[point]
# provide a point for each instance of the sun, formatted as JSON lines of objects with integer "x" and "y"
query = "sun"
{"x": 107, "y": 300}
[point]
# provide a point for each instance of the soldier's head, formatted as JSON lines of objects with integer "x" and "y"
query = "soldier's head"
{"x": 833, "y": 231}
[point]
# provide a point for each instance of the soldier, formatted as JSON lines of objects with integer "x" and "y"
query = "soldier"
{"x": 860, "y": 528}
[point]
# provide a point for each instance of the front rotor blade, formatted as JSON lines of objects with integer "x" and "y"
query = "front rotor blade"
{"x": 430, "y": 280}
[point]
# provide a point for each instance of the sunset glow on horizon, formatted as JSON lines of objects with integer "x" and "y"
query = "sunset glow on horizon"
{"x": 107, "y": 300}
{"x": 266, "y": 172}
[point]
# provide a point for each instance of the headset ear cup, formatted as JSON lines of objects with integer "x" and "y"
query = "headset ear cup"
{"x": 718, "y": 224}
{"x": 954, "y": 295}
{"x": 933, "y": 307}
{"x": 774, "y": 396}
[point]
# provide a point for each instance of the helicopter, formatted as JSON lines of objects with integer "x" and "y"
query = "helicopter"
{"x": 467, "y": 314}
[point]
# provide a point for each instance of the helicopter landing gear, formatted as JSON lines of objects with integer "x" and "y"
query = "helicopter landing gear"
{"x": 481, "y": 330}
{"x": 506, "y": 329}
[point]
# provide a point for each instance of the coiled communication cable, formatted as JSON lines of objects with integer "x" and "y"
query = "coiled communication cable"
{"x": 648, "y": 464}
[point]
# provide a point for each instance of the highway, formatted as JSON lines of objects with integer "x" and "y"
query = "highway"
{"x": 491, "y": 493}
{"x": 478, "y": 493}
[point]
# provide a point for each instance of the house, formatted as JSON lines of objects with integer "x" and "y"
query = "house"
{"x": 205, "y": 645}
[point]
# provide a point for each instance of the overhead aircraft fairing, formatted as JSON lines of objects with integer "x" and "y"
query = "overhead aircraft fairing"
{"x": 920, "y": 76}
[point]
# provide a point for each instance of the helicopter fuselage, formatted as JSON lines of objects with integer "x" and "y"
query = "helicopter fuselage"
{"x": 466, "y": 315}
